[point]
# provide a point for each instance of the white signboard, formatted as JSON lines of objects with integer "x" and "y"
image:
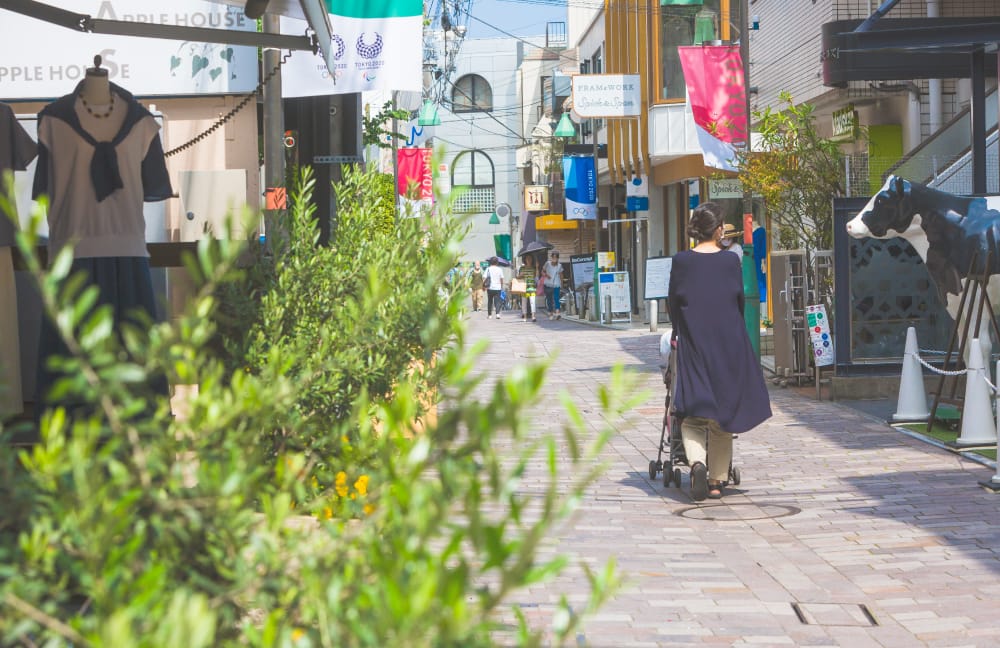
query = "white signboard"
{"x": 819, "y": 333}
{"x": 606, "y": 95}
{"x": 615, "y": 285}
{"x": 658, "y": 277}
{"x": 39, "y": 60}
{"x": 724, "y": 188}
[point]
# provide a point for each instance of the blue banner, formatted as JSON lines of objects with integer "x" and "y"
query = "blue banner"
{"x": 580, "y": 186}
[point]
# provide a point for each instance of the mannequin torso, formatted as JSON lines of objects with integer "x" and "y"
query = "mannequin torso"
{"x": 96, "y": 90}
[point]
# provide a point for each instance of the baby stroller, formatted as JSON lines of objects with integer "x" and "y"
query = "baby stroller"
{"x": 670, "y": 434}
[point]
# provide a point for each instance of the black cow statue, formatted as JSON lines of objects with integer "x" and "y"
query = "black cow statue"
{"x": 947, "y": 231}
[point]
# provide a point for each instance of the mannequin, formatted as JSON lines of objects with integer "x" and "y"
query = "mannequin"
{"x": 17, "y": 150}
{"x": 96, "y": 89}
{"x": 100, "y": 157}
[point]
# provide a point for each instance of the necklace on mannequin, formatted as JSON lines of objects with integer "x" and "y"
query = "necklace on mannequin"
{"x": 96, "y": 115}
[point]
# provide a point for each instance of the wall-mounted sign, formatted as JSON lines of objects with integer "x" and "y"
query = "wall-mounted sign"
{"x": 536, "y": 198}
{"x": 143, "y": 66}
{"x": 606, "y": 95}
{"x": 720, "y": 188}
{"x": 553, "y": 222}
{"x": 845, "y": 123}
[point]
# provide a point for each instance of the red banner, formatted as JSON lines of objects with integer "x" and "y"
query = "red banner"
{"x": 717, "y": 93}
{"x": 414, "y": 170}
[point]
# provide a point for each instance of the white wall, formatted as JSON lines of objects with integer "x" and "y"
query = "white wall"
{"x": 497, "y": 133}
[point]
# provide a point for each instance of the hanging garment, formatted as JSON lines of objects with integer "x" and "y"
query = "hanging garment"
{"x": 17, "y": 150}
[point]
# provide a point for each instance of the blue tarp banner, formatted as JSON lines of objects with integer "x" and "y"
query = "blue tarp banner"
{"x": 580, "y": 185}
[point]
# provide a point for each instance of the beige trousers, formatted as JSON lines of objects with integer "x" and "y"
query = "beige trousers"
{"x": 477, "y": 298}
{"x": 697, "y": 433}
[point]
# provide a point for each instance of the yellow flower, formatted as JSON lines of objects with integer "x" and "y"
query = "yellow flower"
{"x": 368, "y": 509}
{"x": 362, "y": 485}
{"x": 327, "y": 512}
{"x": 314, "y": 482}
{"x": 298, "y": 633}
{"x": 340, "y": 484}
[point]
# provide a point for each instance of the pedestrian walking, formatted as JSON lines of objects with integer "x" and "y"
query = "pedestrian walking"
{"x": 719, "y": 388}
{"x": 493, "y": 281}
{"x": 552, "y": 273}
{"x": 527, "y": 273}
{"x": 476, "y": 289}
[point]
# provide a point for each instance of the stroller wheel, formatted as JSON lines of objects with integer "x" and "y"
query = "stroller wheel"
{"x": 653, "y": 469}
{"x": 677, "y": 477}
{"x": 666, "y": 478}
{"x": 734, "y": 475}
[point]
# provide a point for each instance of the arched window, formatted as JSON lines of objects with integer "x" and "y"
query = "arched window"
{"x": 471, "y": 93}
{"x": 473, "y": 173}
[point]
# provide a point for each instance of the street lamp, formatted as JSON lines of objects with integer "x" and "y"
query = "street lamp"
{"x": 428, "y": 115}
{"x": 565, "y": 127}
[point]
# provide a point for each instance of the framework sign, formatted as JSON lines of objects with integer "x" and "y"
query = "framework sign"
{"x": 606, "y": 95}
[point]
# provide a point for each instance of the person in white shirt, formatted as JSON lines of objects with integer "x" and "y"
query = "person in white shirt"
{"x": 493, "y": 280}
{"x": 552, "y": 273}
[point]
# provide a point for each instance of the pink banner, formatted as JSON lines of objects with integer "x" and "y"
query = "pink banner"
{"x": 415, "y": 168}
{"x": 717, "y": 93}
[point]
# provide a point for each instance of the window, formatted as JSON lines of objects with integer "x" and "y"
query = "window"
{"x": 471, "y": 93}
{"x": 689, "y": 22}
{"x": 473, "y": 173}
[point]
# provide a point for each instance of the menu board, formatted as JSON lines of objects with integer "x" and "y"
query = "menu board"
{"x": 658, "y": 277}
{"x": 615, "y": 285}
{"x": 583, "y": 269}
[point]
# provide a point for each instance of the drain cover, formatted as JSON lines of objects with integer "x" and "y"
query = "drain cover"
{"x": 834, "y": 614}
{"x": 738, "y": 512}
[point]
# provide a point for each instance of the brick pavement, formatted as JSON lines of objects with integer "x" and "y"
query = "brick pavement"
{"x": 835, "y": 511}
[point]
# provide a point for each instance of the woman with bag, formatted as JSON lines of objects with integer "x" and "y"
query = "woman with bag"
{"x": 527, "y": 275}
{"x": 719, "y": 387}
{"x": 552, "y": 278}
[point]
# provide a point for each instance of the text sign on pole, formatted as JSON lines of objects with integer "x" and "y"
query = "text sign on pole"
{"x": 819, "y": 333}
{"x": 658, "y": 277}
{"x": 606, "y": 95}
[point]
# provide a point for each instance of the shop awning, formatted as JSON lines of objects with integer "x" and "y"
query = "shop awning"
{"x": 312, "y": 11}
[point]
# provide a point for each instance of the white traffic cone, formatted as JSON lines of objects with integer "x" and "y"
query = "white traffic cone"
{"x": 912, "y": 402}
{"x": 978, "y": 427}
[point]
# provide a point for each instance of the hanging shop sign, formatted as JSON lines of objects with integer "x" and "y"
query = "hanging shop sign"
{"x": 637, "y": 194}
{"x": 845, "y": 123}
{"x": 607, "y": 95}
{"x": 143, "y": 66}
{"x": 536, "y": 198}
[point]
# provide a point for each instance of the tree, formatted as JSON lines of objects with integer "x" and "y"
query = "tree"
{"x": 798, "y": 172}
{"x": 373, "y": 129}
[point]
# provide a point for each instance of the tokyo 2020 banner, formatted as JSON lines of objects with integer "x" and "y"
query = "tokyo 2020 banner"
{"x": 580, "y": 185}
{"x": 717, "y": 93}
{"x": 377, "y": 45}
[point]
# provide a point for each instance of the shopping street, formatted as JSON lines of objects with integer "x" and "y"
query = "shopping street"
{"x": 843, "y": 530}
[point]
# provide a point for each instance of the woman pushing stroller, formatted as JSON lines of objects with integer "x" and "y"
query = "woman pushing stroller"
{"x": 719, "y": 388}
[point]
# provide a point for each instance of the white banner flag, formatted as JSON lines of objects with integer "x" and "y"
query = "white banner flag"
{"x": 376, "y": 45}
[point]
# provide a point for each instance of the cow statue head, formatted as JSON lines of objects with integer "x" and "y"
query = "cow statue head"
{"x": 888, "y": 214}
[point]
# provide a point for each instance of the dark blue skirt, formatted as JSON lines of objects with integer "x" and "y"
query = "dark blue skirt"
{"x": 126, "y": 285}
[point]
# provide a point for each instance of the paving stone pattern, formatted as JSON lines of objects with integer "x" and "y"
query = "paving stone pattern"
{"x": 836, "y": 510}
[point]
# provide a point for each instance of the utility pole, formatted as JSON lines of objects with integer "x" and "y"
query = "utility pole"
{"x": 274, "y": 136}
{"x": 751, "y": 311}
